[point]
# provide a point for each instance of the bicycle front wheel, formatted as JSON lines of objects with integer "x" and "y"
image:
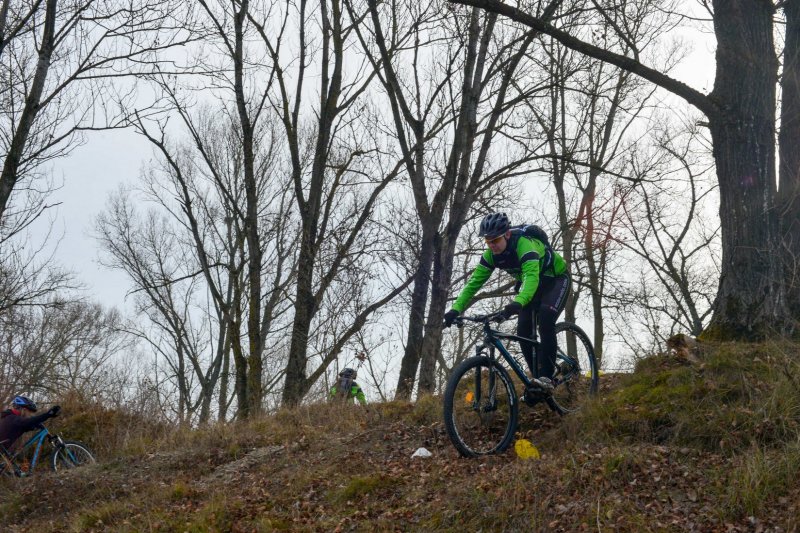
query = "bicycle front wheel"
{"x": 71, "y": 455}
{"x": 480, "y": 407}
{"x": 576, "y": 372}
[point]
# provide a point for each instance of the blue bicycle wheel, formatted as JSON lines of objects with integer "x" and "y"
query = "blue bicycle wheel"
{"x": 71, "y": 455}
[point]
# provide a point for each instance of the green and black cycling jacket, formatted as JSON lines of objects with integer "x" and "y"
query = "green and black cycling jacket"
{"x": 522, "y": 259}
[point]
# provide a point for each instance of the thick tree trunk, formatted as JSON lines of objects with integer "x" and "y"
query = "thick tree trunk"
{"x": 789, "y": 140}
{"x": 751, "y": 297}
{"x": 253, "y": 397}
{"x": 431, "y": 343}
{"x": 440, "y": 290}
{"x": 416, "y": 319}
{"x": 304, "y": 310}
{"x": 306, "y": 303}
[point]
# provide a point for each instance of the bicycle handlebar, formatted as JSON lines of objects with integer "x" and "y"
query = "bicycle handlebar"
{"x": 480, "y": 319}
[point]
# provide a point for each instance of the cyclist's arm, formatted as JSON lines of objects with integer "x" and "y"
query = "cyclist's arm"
{"x": 359, "y": 394}
{"x": 27, "y": 424}
{"x": 529, "y": 251}
{"x": 476, "y": 281}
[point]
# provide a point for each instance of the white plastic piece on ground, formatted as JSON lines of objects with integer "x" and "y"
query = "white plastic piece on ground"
{"x": 422, "y": 452}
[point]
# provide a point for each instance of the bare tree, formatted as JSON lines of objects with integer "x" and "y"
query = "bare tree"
{"x": 57, "y": 59}
{"x": 587, "y": 124}
{"x": 668, "y": 231}
{"x": 149, "y": 251}
{"x": 246, "y": 220}
{"x": 57, "y": 350}
{"x": 741, "y": 112}
{"x": 200, "y": 184}
{"x": 457, "y": 100}
{"x": 328, "y": 154}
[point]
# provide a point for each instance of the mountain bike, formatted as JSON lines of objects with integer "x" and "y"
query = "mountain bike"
{"x": 63, "y": 454}
{"x": 480, "y": 401}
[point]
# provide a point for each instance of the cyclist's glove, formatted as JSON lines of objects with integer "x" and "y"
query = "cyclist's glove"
{"x": 449, "y": 317}
{"x": 510, "y": 310}
{"x": 54, "y": 410}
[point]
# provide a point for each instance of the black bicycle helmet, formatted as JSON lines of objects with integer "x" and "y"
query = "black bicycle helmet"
{"x": 25, "y": 403}
{"x": 348, "y": 373}
{"x": 494, "y": 225}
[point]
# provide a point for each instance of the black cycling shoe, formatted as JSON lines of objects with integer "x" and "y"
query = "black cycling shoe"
{"x": 545, "y": 384}
{"x": 540, "y": 390}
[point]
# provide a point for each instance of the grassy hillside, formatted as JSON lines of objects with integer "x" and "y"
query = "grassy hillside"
{"x": 708, "y": 446}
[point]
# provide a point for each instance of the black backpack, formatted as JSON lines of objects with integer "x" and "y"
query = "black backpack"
{"x": 343, "y": 388}
{"x": 535, "y": 232}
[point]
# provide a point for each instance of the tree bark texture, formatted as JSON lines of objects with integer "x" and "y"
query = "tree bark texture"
{"x": 751, "y": 297}
{"x": 416, "y": 320}
{"x": 789, "y": 142}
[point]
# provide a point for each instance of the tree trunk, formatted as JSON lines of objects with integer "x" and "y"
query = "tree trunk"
{"x": 789, "y": 140}
{"x": 254, "y": 372}
{"x": 222, "y": 411}
{"x": 11, "y": 166}
{"x": 304, "y": 310}
{"x": 440, "y": 290}
{"x": 240, "y": 362}
{"x": 416, "y": 320}
{"x": 595, "y": 290}
{"x": 751, "y": 299}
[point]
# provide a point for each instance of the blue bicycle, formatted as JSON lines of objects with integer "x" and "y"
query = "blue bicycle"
{"x": 480, "y": 401}
{"x": 63, "y": 454}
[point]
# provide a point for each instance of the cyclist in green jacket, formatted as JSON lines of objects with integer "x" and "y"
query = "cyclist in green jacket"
{"x": 543, "y": 288}
{"x": 347, "y": 389}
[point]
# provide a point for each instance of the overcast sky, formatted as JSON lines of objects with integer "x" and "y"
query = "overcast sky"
{"x": 89, "y": 175}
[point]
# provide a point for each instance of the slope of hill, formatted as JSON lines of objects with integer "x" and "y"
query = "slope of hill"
{"x": 709, "y": 446}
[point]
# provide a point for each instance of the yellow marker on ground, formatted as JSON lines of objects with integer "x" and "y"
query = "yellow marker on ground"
{"x": 526, "y": 450}
{"x": 469, "y": 397}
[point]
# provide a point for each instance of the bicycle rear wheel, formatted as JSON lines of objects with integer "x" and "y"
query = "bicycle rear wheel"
{"x": 480, "y": 407}
{"x": 8, "y": 465}
{"x": 6, "y": 468}
{"x": 71, "y": 455}
{"x": 576, "y": 372}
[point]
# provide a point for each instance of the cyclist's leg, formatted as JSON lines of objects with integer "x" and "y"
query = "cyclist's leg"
{"x": 525, "y": 329}
{"x": 554, "y": 294}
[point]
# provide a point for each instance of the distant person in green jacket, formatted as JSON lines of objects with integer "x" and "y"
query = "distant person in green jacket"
{"x": 543, "y": 284}
{"x": 346, "y": 389}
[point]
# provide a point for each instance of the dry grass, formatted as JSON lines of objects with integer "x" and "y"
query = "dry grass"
{"x": 710, "y": 447}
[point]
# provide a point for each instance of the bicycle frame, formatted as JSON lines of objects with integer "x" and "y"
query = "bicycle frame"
{"x": 36, "y": 440}
{"x": 492, "y": 341}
